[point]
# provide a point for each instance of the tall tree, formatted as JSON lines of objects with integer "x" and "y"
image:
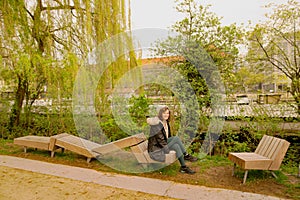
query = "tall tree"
{"x": 206, "y": 52}
{"x": 278, "y": 42}
{"x": 44, "y": 42}
{"x": 203, "y": 27}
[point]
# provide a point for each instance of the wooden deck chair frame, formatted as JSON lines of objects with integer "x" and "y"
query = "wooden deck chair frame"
{"x": 267, "y": 156}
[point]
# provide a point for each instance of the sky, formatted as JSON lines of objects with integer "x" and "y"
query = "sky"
{"x": 162, "y": 13}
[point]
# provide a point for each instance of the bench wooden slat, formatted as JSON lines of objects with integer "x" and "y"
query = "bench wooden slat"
{"x": 120, "y": 144}
{"x": 280, "y": 153}
{"x": 261, "y": 144}
{"x": 272, "y": 148}
{"x": 265, "y": 145}
{"x": 138, "y": 152}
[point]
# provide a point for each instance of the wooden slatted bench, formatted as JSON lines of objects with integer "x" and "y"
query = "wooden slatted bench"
{"x": 267, "y": 156}
{"x": 38, "y": 142}
{"x": 76, "y": 144}
{"x": 140, "y": 151}
{"x": 91, "y": 149}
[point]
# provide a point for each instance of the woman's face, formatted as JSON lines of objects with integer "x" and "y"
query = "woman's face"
{"x": 166, "y": 115}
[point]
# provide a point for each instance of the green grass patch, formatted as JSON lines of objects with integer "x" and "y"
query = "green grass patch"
{"x": 7, "y": 147}
{"x": 254, "y": 175}
{"x": 170, "y": 170}
{"x": 212, "y": 161}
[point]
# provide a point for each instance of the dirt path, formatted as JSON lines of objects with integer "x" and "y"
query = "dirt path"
{"x": 18, "y": 184}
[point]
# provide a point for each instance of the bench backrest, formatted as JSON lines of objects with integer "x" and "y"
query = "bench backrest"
{"x": 120, "y": 144}
{"x": 274, "y": 149}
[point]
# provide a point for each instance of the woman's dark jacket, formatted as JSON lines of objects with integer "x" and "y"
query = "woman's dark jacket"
{"x": 157, "y": 142}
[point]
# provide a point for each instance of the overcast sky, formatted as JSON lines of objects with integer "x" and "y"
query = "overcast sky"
{"x": 162, "y": 13}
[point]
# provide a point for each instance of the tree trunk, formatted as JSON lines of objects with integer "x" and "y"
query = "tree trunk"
{"x": 17, "y": 106}
{"x": 295, "y": 91}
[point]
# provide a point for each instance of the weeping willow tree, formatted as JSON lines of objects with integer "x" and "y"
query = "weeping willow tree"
{"x": 44, "y": 42}
{"x": 116, "y": 21}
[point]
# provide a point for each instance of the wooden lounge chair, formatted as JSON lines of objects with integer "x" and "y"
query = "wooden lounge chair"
{"x": 91, "y": 149}
{"x": 267, "y": 156}
{"x": 76, "y": 144}
{"x": 140, "y": 151}
{"x": 38, "y": 142}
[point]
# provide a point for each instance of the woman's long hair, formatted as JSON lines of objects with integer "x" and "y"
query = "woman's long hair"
{"x": 161, "y": 111}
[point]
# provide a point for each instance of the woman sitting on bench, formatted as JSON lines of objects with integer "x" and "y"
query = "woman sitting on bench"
{"x": 160, "y": 141}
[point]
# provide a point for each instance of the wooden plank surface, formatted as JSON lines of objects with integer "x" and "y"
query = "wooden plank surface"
{"x": 171, "y": 157}
{"x": 120, "y": 144}
{"x": 265, "y": 146}
{"x": 250, "y": 160}
{"x": 261, "y": 144}
{"x": 138, "y": 152}
{"x": 53, "y": 139}
{"x": 277, "y": 160}
{"x": 33, "y": 141}
{"x": 78, "y": 145}
{"x": 272, "y": 147}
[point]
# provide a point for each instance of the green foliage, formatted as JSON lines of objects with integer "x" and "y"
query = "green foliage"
{"x": 139, "y": 109}
{"x": 197, "y": 82}
{"x": 43, "y": 57}
{"x": 202, "y": 27}
{"x": 41, "y": 124}
{"x": 111, "y": 129}
{"x": 231, "y": 141}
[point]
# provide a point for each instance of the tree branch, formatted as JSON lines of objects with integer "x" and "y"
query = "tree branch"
{"x": 29, "y": 13}
{"x": 268, "y": 58}
{"x": 62, "y": 7}
{"x": 296, "y": 47}
{"x": 285, "y": 58}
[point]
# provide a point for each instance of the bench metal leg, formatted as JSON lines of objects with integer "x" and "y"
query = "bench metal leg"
{"x": 273, "y": 174}
{"x": 245, "y": 176}
{"x": 233, "y": 169}
{"x": 88, "y": 160}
